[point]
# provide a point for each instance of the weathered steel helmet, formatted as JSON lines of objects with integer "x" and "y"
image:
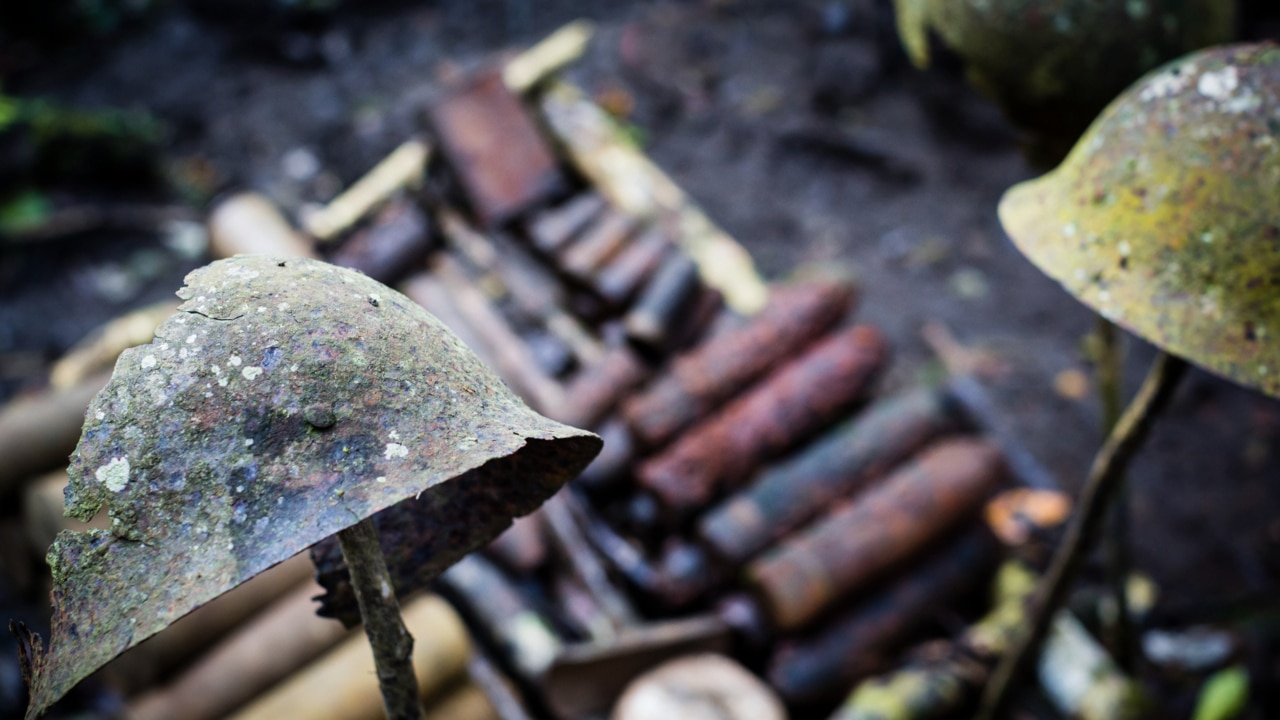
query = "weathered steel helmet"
{"x": 1165, "y": 218}
{"x": 287, "y": 399}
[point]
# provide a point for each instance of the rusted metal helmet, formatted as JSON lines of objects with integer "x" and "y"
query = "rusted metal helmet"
{"x": 287, "y": 399}
{"x": 1054, "y": 64}
{"x": 1165, "y": 218}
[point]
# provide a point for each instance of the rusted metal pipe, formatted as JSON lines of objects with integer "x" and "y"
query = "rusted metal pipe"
{"x": 798, "y": 400}
{"x": 801, "y": 579}
{"x": 700, "y": 381}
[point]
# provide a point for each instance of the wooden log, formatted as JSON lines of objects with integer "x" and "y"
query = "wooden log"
{"x": 273, "y": 645}
{"x": 800, "y": 579}
{"x": 163, "y": 654}
{"x": 836, "y": 466}
{"x": 403, "y": 168}
{"x": 635, "y": 185}
{"x": 539, "y": 62}
{"x": 97, "y": 352}
{"x": 501, "y": 159}
{"x": 795, "y": 317}
{"x": 249, "y": 224}
{"x": 801, "y": 398}
{"x": 468, "y": 702}
{"x": 39, "y": 431}
{"x": 341, "y": 685}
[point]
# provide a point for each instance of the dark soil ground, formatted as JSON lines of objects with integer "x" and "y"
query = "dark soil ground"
{"x": 799, "y": 127}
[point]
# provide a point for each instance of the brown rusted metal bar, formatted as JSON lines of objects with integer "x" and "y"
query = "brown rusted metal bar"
{"x": 597, "y": 388}
{"x": 552, "y": 229}
{"x": 800, "y": 579}
{"x": 801, "y": 398}
{"x": 502, "y": 160}
{"x": 597, "y": 245}
{"x": 670, "y": 294}
{"x": 618, "y": 281}
{"x": 841, "y": 463}
{"x": 795, "y": 316}
{"x": 824, "y": 663}
{"x": 395, "y": 245}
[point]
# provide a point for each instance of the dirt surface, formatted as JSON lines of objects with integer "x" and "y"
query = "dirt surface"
{"x": 798, "y": 127}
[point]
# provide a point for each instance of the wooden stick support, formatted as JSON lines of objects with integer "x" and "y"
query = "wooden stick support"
{"x": 390, "y": 639}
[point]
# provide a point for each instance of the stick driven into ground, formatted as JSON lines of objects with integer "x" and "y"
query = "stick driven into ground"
{"x": 1108, "y": 467}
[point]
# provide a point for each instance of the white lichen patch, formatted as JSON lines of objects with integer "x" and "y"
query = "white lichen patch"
{"x": 191, "y": 339}
{"x": 251, "y": 373}
{"x": 1169, "y": 82}
{"x": 380, "y": 479}
{"x": 1219, "y": 84}
{"x": 148, "y": 362}
{"x": 395, "y": 450}
{"x": 100, "y": 415}
{"x": 115, "y": 474}
{"x": 234, "y": 361}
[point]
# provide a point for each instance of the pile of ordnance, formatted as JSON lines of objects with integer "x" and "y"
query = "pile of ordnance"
{"x": 762, "y": 532}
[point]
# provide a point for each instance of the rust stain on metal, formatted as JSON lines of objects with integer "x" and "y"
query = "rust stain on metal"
{"x": 698, "y": 382}
{"x": 503, "y": 161}
{"x": 287, "y": 400}
{"x": 799, "y": 399}
{"x": 837, "y": 465}
{"x": 800, "y": 579}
